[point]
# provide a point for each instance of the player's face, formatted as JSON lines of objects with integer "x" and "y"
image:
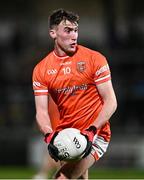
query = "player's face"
{"x": 65, "y": 35}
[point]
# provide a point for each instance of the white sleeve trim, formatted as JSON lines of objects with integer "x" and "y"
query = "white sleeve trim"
{"x": 40, "y": 90}
{"x": 100, "y": 79}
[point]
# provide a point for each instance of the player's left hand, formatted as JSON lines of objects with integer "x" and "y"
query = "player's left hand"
{"x": 89, "y": 134}
{"x": 53, "y": 150}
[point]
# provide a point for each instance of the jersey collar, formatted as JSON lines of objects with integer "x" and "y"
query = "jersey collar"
{"x": 60, "y": 57}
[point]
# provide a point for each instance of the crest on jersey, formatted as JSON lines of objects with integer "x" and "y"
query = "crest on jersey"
{"x": 81, "y": 66}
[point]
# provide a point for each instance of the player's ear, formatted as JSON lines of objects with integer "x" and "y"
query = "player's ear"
{"x": 52, "y": 33}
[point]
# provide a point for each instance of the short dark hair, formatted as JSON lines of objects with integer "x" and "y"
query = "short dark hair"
{"x": 59, "y": 15}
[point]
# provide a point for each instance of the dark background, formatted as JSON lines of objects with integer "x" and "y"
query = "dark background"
{"x": 113, "y": 27}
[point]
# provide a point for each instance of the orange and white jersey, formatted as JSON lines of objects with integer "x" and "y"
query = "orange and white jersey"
{"x": 72, "y": 82}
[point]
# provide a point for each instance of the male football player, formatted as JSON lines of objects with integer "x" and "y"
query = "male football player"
{"x": 79, "y": 81}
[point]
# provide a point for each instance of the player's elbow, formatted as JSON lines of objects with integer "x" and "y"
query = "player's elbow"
{"x": 38, "y": 119}
{"x": 114, "y": 104}
{"x": 111, "y": 103}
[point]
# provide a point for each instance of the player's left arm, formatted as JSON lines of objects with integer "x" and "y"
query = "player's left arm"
{"x": 107, "y": 93}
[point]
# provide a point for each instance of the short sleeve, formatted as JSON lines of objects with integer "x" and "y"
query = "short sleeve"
{"x": 102, "y": 71}
{"x": 39, "y": 84}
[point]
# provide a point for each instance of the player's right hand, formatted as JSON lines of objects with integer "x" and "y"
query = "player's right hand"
{"x": 53, "y": 150}
{"x": 49, "y": 137}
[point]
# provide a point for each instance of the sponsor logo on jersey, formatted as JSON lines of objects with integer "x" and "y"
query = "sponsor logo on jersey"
{"x": 51, "y": 71}
{"x": 102, "y": 69}
{"x": 36, "y": 84}
{"x": 81, "y": 66}
{"x": 72, "y": 89}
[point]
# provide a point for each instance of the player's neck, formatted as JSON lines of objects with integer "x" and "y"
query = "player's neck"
{"x": 59, "y": 52}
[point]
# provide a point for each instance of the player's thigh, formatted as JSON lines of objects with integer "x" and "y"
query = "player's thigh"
{"x": 51, "y": 163}
{"x": 76, "y": 169}
{"x": 84, "y": 175}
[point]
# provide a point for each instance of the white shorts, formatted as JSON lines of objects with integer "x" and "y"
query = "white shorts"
{"x": 99, "y": 147}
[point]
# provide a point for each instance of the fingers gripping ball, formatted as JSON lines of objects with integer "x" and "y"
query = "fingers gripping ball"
{"x": 71, "y": 144}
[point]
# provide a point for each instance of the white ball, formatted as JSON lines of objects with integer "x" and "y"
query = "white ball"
{"x": 71, "y": 144}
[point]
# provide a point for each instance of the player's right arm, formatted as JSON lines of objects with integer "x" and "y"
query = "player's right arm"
{"x": 43, "y": 121}
{"x": 41, "y": 98}
{"x": 40, "y": 87}
{"x": 42, "y": 116}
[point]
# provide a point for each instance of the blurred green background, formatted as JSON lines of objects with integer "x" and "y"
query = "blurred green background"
{"x": 113, "y": 27}
{"x": 94, "y": 173}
